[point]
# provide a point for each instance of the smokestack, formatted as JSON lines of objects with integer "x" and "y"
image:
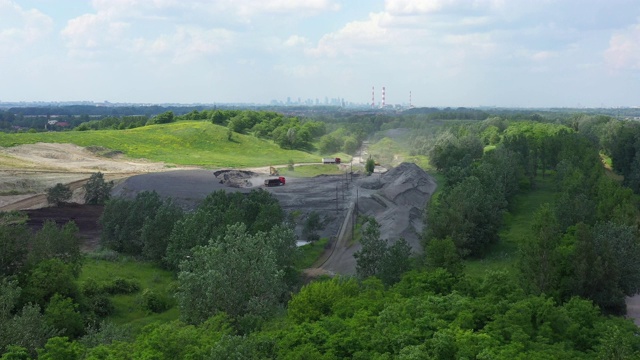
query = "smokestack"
{"x": 373, "y": 97}
{"x": 383, "y": 97}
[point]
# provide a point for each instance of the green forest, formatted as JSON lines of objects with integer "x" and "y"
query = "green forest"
{"x": 531, "y": 246}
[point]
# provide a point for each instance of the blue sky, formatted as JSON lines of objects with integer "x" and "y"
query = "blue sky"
{"x": 510, "y": 53}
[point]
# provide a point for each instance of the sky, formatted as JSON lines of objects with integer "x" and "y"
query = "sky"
{"x": 505, "y": 53}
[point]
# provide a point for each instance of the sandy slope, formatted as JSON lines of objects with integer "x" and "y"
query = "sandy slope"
{"x": 26, "y": 171}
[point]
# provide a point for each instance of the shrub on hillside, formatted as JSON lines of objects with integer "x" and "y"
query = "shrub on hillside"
{"x": 97, "y": 190}
{"x": 152, "y": 302}
{"x": 122, "y": 286}
{"x": 370, "y": 166}
{"x": 58, "y": 194}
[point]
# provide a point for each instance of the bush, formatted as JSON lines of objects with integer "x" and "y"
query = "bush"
{"x": 122, "y": 286}
{"x": 369, "y": 166}
{"x": 58, "y": 194}
{"x": 62, "y": 313}
{"x": 153, "y": 302}
{"x": 95, "y": 301}
{"x": 105, "y": 333}
{"x": 100, "y": 305}
{"x": 164, "y": 118}
{"x": 97, "y": 190}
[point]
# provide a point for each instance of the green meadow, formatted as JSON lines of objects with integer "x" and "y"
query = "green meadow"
{"x": 197, "y": 143}
{"x": 128, "y": 307}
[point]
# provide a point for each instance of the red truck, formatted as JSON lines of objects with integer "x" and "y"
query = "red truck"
{"x": 279, "y": 181}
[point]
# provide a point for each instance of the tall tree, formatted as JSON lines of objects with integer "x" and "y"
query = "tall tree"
{"x": 258, "y": 210}
{"x": 58, "y": 194}
{"x": 237, "y": 274}
{"x": 97, "y": 190}
{"x": 377, "y": 258}
{"x": 469, "y": 213}
{"x": 538, "y": 253}
{"x": 57, "y": 242}
{"x": 372, "y": 252}
{"x": 619, "y": 252}
{"x": 14, "y": 245}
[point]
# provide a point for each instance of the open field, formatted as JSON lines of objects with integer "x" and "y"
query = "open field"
{"x": 127, "y": 307}
{"x": 197, "y": 143}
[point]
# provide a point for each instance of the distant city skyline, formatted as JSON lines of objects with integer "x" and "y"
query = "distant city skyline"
{"x": 456, "y": 53}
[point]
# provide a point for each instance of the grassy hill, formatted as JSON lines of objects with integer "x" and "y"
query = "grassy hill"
{"x": 181, "y": 143}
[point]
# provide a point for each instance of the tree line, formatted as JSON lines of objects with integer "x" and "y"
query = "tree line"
{"x": 427, "y": 315}
{"x": 584, "y": 244}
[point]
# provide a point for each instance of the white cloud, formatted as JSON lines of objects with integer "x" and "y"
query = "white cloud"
{"x": 187, "y": 29}
{"x": 353, "y": 38}
{"x": 306, "y": 7}
{"x": 185, "y": 43}
{"x": 624, "y": 49}
{"x": 145, "y": 27}
{"x": 299, "y": 71}
{"x": 414, "y": 7}
{"x": 92, "y": 30}
{"x": 246, "y": 10}
{"x": 20, "y": 28}
{"x": 295, "y": 40}
{"x": 421, "y": 7}
{"x": 541, "y": 56}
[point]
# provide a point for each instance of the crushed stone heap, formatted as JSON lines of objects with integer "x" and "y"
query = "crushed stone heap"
{"x": 235, "y": 178}
{"x": 397, "y": 200}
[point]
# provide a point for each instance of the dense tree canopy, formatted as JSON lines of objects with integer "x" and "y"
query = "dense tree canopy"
{"x": 240, "y": 274}
{"x": 258, "y": 210}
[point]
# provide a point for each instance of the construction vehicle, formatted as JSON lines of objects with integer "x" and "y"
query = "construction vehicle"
{"x": 331, "y": 160}
{"x": 273, "y": 171}
{"x": 279, "y": 181}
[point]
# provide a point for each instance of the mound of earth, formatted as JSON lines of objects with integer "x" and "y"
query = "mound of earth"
{"x": 73, "y": 158}
{"x": 235, "y": 178}
{"x": 398, "y": 201}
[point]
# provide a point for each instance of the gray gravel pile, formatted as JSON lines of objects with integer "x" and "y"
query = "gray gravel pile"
{"x": 235, "y": 178}
{"x": 397, "y": 200}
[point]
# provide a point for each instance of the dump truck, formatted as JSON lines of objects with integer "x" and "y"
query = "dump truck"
{"x": 331, "y": 160}
{"x": 279, "y": 181}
